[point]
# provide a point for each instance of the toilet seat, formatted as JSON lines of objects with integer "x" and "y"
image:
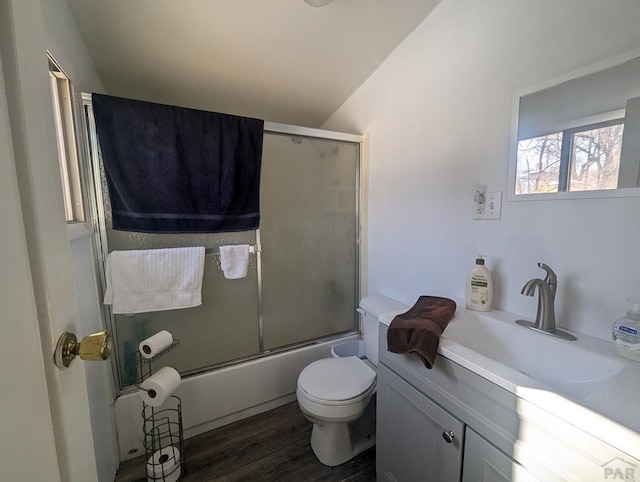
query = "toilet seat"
{"x": 337, "y": 380}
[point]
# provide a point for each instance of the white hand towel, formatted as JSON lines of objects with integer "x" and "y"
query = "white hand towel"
{"x": 234, "y": 260}
{"x": 143, "y": 280}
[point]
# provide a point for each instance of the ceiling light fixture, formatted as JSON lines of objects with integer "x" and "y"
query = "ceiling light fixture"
{"x": 318, "y": 3}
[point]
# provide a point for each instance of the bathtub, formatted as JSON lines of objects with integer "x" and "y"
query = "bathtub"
{"x": 226, "y": 395}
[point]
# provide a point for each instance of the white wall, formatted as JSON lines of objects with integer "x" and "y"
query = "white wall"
{"x": 439, "y": 114}
{"x": 64, "y": 42}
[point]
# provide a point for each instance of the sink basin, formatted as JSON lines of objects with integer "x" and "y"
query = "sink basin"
{"x": 565, "y": 366}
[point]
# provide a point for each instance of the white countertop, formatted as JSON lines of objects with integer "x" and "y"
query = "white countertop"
{"x": 610, "y": 411}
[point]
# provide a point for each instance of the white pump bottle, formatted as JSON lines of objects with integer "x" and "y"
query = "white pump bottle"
{"x": 479, "y": 287}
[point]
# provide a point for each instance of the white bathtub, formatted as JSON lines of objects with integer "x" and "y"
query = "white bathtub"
{"x": 223, "y": 396}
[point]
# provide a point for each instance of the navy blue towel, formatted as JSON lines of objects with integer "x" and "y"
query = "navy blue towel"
{"x": 177, "y": 170}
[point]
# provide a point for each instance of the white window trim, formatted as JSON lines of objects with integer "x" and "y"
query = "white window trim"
{"x": 66, "y": 143}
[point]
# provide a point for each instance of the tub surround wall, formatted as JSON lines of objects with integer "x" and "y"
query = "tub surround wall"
{"x": 439, "y": 116}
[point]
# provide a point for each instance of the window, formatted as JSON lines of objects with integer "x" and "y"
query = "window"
{"x": 66, "y": 142}
{"x": 584, "y": 158}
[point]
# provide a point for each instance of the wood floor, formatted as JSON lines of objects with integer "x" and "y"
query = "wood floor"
{"x": 273, "y": 446}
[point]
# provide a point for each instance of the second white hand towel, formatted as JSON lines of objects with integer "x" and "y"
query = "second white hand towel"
{"x": 234, "y": 260}
{"x": 145, "y": 280}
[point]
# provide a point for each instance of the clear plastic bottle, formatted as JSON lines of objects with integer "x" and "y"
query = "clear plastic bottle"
{"x": 479, "y": 287}
{"x": 626, "y": 333}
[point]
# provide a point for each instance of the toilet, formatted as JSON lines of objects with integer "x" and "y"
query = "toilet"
{"x": 337, "y": 394}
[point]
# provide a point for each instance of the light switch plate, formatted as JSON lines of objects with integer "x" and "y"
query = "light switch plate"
{"x": 491, "y": 208}
{"x": 492, "y": 205}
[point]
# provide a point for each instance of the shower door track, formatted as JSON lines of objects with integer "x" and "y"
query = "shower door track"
{"x": 91, "y": 180}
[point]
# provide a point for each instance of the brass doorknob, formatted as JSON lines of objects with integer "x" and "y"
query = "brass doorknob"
{"x": 94, "y": 347}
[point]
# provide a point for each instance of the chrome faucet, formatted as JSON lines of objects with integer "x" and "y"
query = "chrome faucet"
{"x": 545, "y": 316}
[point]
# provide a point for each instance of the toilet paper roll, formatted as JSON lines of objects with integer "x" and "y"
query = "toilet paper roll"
{"x": 164, "y": 465}
{"x": 159, "y": 386}
{"x": 155, "y": 344}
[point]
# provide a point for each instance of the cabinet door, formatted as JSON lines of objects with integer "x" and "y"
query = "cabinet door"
{"x": 485, "y": 463}
{"x": 410, "y": 442}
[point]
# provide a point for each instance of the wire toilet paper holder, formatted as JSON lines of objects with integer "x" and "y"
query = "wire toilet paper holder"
{"x": 162, "y": 430}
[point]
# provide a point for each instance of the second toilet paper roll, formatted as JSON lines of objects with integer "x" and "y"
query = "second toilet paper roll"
{"x": 155, "y": 344}
{"x": 159, "y": 386}
{"x": 164, "y": 465}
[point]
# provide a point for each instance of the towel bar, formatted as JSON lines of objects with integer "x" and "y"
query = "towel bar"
{"x": 253, "y": 248}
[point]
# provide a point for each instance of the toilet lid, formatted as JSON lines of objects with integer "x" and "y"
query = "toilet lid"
{"x": 336, "y": 379}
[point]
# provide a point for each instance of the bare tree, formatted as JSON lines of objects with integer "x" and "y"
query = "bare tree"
{"x": 595, "y": 159}
{"x": 538, "y": 164}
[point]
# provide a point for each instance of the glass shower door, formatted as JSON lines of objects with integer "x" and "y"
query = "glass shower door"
{"x": 302, "y": 285}
{"x": 222, "y": 329}
{"x": 309, "y": 238}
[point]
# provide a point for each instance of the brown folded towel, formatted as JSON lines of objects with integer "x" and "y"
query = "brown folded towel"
{"x": 418, "y": 330}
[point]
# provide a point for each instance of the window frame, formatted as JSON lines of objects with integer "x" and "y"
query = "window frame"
{"x": 566, "y": 155}
{"x": 516, "y": 98}
{"x": 566, "y": 150}
{"x": 66, "y": 142}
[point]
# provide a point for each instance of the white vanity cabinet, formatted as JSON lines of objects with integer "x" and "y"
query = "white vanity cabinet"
{"x": 417, "y": 440}
{"x": 497, "y": 435}
{"x": 485, "y": 463}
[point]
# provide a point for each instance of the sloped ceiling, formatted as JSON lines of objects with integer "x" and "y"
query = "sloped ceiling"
{"x": 279, "y": 60}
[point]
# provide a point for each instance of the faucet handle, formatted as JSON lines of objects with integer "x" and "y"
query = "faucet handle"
{"x": 551, "y": 277}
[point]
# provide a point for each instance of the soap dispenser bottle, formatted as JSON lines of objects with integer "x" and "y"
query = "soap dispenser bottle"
{"x": 479, "y": 287}
{"x": 626, "y": 335}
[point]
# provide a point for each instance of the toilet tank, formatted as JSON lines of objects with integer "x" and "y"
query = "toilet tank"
{"x": 372, "y": 307}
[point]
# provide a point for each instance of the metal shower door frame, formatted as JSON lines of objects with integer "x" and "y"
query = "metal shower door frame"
{"x": 94, "y": 201}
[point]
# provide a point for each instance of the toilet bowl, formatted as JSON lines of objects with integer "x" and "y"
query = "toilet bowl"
{"x": 333, "y": 394}
{"x": 336, "y": 389}
{"x": 337, "y": 394}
